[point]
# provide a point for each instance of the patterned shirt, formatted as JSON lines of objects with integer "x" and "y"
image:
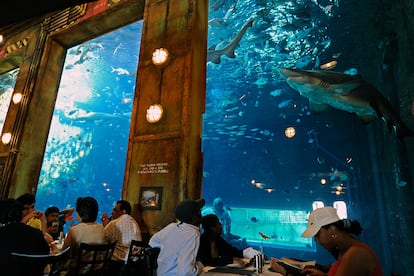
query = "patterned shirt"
{"x": 122, "y": 230}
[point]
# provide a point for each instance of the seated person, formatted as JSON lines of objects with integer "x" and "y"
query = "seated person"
{"x": 179, "y": 241}
{"x": 18, "y": 237}
{"x": 223, "y": 214}
{"x": 87, "y": 231}
{"x": 35, "y": 219}
{"x": 52, "y": 220}
{"x": 122, "y": 229}
{"x": 214, "y": 250}
{"x": 56, "y": 219}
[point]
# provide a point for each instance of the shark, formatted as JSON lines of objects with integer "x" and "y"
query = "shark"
{"x": 82, "y": 116}
{"x": 345, "y": 92}
{"x": 214, "y": 55}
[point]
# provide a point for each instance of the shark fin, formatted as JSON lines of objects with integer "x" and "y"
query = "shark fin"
{"x": 318, "y": 107}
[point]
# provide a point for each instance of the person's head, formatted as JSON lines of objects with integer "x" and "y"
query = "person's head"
{"x": 53, "y": 227}
{"x": 121, "y": 207}
{"x": 28, "y": 200}
{"x": 189, "y": 211}
{"x": 211, "y": 225}
{"x": 218, "y": 204}
{"x": 87, "y": 209}
{"x": 52, "y": 214}
{"x": 327, "y": 228}
{"x": 11, "y": 211}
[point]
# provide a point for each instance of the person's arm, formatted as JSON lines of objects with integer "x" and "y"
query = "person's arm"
{"x": 155, "y": 240}
{"x": 110, "y": 232}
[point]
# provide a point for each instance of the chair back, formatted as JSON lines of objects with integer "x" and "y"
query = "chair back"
{"x": 93, "y": 259}
{"x": 142, "y": 259}
{"x": 35, "y": 264}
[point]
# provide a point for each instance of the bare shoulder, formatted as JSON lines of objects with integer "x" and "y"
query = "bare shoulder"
{"x": 360, "y": 258}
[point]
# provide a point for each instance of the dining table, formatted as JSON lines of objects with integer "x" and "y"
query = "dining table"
{"x": 232, "y": 270}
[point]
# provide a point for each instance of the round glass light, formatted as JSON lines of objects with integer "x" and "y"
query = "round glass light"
{"x": 160, "y": 56}
{"x": 6, "y": 138}
{"x": 290, "y": 132}
{"x": 154, "y": 113}
{"x": 17, "y": 98}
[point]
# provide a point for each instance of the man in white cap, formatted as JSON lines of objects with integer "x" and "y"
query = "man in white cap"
{"x": 179, "y": 241}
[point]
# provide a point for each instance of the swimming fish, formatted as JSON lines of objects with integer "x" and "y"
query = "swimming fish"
{"x": 89, "y": 116}
{"x": 214, "y": 55}
{"x": 264, "y": 236}
{"x": 345, "y": 92}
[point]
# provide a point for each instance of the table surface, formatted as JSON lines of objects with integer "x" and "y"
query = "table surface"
{"x": 265, "y": 272}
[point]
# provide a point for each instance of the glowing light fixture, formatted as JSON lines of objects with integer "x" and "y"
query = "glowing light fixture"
{"x": 160, "y": 56}
{"x": 1, "y": 38}
{"x": 323, "y": 181}
{"x": 17, "y": 98}
{"x": 154, "y": 113}
{"x": 6, "y": 138}
{"x": 290, "y": 132}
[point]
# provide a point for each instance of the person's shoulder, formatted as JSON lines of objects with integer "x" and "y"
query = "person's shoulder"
{"x": 359, "y": 252}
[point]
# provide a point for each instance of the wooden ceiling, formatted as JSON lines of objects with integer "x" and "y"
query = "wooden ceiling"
{"x": 14, "y": 12}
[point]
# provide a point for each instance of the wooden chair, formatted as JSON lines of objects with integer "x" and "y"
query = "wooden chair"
{"x": 34, "y": 264}
{"x": 142, "y": 259}
{"x": 93, "y": 259}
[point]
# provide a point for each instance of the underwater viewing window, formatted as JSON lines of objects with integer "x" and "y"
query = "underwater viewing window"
{"x": 270, "y": 155}
{"x": 87, "y": 144}
{"x": 7, "y": 82}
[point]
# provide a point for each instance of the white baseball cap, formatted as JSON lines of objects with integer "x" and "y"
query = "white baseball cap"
{"x": 318, "y": 218}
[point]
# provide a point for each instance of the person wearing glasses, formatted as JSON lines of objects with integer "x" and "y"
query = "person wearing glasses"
{"x": 122, "y": 229}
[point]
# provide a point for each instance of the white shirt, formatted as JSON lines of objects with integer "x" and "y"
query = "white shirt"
{"x": 179, "y": 243}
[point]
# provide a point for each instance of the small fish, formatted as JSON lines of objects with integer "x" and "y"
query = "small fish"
{"x": 264, "y": 236}
{"x": 120, "y": 71}
{"x": 254, "y": 219}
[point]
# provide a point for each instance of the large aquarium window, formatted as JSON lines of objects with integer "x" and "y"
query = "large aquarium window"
{"x": 7, "y": 82}
{"x": 88, "y": 138}
{"x": 270, "y": 156}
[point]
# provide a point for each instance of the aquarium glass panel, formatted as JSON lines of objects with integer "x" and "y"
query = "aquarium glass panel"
{"x": 86, "y": 149}
{"x": 279, "y": 143}
{"x": 7, "y": 82}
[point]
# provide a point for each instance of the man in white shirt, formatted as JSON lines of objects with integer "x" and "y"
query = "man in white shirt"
{"x": 179, "y": 241}
{"x": 122, "y": 229}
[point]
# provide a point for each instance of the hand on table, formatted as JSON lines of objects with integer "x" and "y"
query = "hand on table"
{"x": 274, "y": 266}
{"x": 239, "y": 261}
{"x": 311, "y": 271}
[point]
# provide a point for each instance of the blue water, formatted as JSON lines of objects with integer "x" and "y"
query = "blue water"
{"x": 248, "y": 160}
{"x": 86, "y": 148}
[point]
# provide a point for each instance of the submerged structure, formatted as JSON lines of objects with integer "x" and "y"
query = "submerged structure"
{"x": 158, "y": 101}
